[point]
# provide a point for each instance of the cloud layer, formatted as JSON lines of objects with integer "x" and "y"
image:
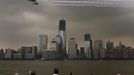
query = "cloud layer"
{"x": 21, "y": 23}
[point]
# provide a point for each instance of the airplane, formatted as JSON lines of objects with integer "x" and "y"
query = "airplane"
{"x": 34, "y": 2}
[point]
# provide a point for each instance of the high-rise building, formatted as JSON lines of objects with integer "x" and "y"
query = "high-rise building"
{"x": 53, "y": 45}
{"x": 88, "y": 46}
{"x": 109, "y": 45}
{"x": 1, "y": 53}
{"x": 62, "y": 33}
{"x": 119, "y": 51}
{"x": 56, "y": 45}
{"x": 72, "y": 48}
{"x": 60, "y": 51}
{"x": 58, "y": 41}
{"x": 99, "y": 49}
{"x": 82, "y": 53}
{"x": 109, "y": 49}
{"x": 42, "y": 43}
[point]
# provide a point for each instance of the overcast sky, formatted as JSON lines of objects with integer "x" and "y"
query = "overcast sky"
{"x": 21, "y": 23}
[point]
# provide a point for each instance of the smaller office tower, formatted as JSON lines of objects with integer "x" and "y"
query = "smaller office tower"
{"x": 88, "y": 46}
{"x": 99, "y": 49}
{"x": 58, "y": 41}
{"x": 42, "y": 43}
{"x": 72, "y": 48}
{"x": 109, "y": 49}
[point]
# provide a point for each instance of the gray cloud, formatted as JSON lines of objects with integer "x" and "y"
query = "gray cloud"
{"x": 21, "y": 22}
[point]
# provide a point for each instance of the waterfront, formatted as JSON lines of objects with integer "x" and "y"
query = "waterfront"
{"x": 76, "y": 67}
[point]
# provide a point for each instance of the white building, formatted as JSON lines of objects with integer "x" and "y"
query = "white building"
{"x": 72, "y": 48}
{"x": 58, "y": 41}
{"x": 88, "y": 46}
{"x": 53, "y": 45}
{"x": 42, "y": 43}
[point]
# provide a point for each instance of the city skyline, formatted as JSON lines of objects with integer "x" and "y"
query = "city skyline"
{"x": 59, "y": 41}
{"x": 92, "y": 49}
{"x": 21, "y": 23}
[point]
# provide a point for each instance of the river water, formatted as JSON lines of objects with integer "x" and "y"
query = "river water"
{"x": 65, "y": 67}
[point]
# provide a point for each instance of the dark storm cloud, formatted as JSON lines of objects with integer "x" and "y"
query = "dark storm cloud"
{"x": 21, "y": 22}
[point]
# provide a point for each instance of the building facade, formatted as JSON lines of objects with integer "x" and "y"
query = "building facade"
{"x": 62, "y": 33}
{"x": 88, "y": 46}
{"x": 99, "y": 49}
{"x": 72, "y": 48}
{"x": 42, "y": 43}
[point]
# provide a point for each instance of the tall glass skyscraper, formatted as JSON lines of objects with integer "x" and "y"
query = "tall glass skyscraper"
{"x": 62, "y": 33}
{"x": 88, "y": 46}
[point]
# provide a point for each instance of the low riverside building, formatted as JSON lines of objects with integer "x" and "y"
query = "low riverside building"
{"x": 50, "y": 55}
{"x": 9, "y": 53}
{"x": 29, "y": 56}
{"x": 1, "y": 54}
{"x": 53, "y": 52}
{"x": 17, "y": 56}
{"x": 29, "y": 53}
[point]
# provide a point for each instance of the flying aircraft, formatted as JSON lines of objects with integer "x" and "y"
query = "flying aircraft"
{"x": 34, "y": 2}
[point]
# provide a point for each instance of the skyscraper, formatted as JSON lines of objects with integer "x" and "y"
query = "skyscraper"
{"x": 72, "y": 48}
{"x": 42, "y": 43}
{"x": 53, "y": 45}
{"x": 59, "y": 50}
{"x": 109, "y": 45}
{"x": 88, "y": 46}
{"x": 62, "y": 33}
{"x": 99, "y": 49}
{"x": 82, "y": 53}
{"x": 58, "y": 42}
{"x": 109, "y": 49}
